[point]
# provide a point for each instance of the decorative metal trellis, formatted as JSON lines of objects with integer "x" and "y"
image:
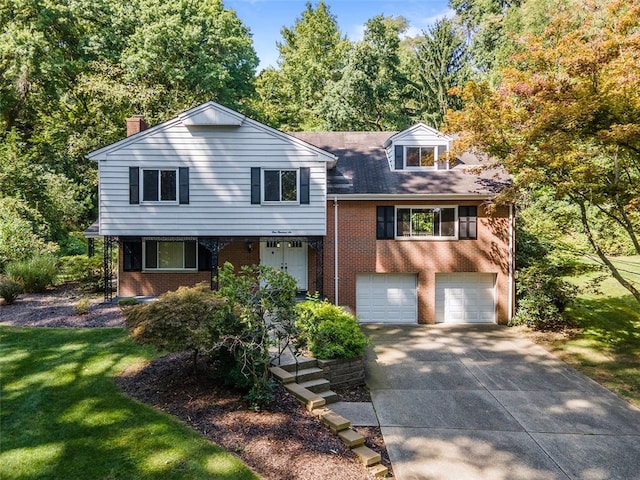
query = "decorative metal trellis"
{"x": 109, "y": 265}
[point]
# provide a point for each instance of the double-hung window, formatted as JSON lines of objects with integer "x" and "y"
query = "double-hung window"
{"x": 280, "y": 186}
{"x": 170, "y": 255}
{"x": 159, "y": 185}
{"x": 426, "y": 222}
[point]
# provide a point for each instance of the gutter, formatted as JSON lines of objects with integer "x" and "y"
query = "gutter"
{"x": 335, "y": 250}
{"x": 511, "y": 263}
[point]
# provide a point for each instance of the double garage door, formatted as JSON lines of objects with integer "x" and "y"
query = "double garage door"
{"x": 392, "y": 298}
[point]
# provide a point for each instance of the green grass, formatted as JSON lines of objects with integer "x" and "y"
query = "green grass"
{"x": 607, "y": 345}
{"x": 62, "y": 416}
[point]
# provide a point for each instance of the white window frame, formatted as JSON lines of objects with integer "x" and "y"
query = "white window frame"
{"x": 172, "y": 269}
{"x": 263, "y": 186}
{"x": 438, "y": 151}
{"x": 426, "y": 237}
{"x": 159, "y": 185}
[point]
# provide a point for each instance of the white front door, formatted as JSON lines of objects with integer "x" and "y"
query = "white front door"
{"x": 288, "y": 256}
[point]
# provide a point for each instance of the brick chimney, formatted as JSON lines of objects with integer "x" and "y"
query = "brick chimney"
{"x": 136, "y": 124}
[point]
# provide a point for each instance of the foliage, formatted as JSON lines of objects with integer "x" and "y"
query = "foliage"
{"x": 127, "y": 302}
{"x": 328, "y": 330}
{"x": 543, "y": 297}
{"x": 266, "y": 298}
{"x": 84, "y": 269}
{"x": 60, "y": 402}
{"x": 34, "y": 274}
{"x": 311, "y": 52}
{"x": 188, "y": 319}
{"x": 566, "y": 117}
{"x": 82, "y": 306}
{"x": 9, "y": 290}
{"x": 20, "y": 232}
{"x": 370, "y": 94}
{"x": 439, "y": 63}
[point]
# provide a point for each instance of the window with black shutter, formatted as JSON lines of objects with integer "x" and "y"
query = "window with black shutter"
{"x": 132, "y": 255}
{"x": 468, "y": 222}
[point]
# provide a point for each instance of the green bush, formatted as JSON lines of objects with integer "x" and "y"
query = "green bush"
{"x": 188, "y": 319}
{"x": 127, "y": 302}
{"x": 9, "y": 290}
{"x": 82, "y": 306}
{"x": 542, "y": 299}
{"x": 328, "y": 331}
{"x": 88, "y": 271}
{"x": 34, "y": 274}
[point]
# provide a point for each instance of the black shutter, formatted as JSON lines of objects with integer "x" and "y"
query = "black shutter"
{"x": 385, "y": 222}
{"x": 132, "y": 255}
{"x": 255, "y": 185}
{"x": 183, "y": 183}
{"x": 134, "y": 185}
{"x": 204, "y": 258}
{"x": 304, "y": 185}
{"x": 468, "y": 222}
{"x": 399, "y": 154}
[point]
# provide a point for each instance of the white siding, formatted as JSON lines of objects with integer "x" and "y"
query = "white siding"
{"x": 219, "y": 161}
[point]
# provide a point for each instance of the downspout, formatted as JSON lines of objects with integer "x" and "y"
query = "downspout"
{"x": 335, "y": 249}
{"x": 511, "y": 260}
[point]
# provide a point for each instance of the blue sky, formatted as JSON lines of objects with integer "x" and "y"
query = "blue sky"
{"x": 265, "y": 18}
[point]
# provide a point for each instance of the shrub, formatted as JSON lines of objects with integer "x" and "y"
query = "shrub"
{"x": 9, "y": 290}
{"x": 542, "y": 299}
{"x": 82, "y": 306}
{"x": 189, "y": 319}
{"x": 35, "y": 274}
{"x": 88, "y": 271}
{"x": 127, "y": 302}
{"x": 329, "y": 331}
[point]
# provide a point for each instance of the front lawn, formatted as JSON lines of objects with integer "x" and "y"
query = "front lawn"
{"x": 62, "y": 415}
{"x": 606, "y": 347}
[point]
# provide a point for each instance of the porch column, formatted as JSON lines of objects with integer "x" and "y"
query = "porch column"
{"x": 318, "y": 245}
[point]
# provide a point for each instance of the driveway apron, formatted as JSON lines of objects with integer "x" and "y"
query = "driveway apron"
{"x": 479, "y": 402}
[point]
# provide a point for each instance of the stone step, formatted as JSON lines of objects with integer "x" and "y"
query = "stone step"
{"x": 308, "y": 374}
{"x": 308, "y": 398}
{"x": 335, "y": 422}
{"x": 281, "y": 375}
{"x": 378, "y": 470}
{"x": 351, "y": 438}
{"x": 366, "y": 455}
{"x": 303, "y": 363}
{"x": 329, "y": 396}
{"x": 316, "y": 386}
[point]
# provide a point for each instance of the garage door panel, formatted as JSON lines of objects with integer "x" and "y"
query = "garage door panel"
{"x": 465, "y": 298}
{"x": 386, "y": 298}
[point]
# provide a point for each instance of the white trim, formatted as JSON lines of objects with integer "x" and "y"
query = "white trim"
{"x": 511, "y": 295}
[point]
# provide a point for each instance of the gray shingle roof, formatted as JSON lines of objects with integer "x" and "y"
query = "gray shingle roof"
{"x": 363, "y": 169}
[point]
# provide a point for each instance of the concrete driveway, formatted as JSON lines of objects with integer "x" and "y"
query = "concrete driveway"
{"x": 479, "y": 402}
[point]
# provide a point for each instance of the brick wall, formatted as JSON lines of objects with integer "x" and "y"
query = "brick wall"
{"x": 360, "y": 252}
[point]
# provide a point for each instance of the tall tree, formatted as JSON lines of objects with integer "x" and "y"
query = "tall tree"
{"x": 311, "y": 54}
{"x": 567, "y": 118}
{"x": 370, "y": 95}
{"x": 72, "y": 70}
{"x": 439, "y": 64}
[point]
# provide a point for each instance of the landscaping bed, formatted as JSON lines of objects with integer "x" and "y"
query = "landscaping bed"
{"x": 285, "y": 441}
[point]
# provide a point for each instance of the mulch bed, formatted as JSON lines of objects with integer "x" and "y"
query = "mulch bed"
{"x": 282, "y": 442}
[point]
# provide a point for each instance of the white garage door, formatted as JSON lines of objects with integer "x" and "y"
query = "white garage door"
{"x": 386, "y": 298}
{"x": 465, "y": 298}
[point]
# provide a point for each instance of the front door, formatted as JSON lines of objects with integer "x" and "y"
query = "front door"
{"x": 288, "y": 256}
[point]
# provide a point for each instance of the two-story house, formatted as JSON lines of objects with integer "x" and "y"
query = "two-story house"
{"x": 376, "y": 221}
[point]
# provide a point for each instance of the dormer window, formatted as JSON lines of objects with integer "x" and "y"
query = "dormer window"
{"x": 431, "y": 157}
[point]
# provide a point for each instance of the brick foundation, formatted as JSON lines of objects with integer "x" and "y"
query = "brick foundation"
{"x": 347, "y": 372}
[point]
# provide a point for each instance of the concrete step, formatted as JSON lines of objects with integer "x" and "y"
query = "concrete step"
{"x": 281, "y": 375}
{"x": 317, "y": 386}
{"x": 308, "y": 374}
{"x": 366, "y": 455}
{"x": 329, "y": 396}
{"x": 308, "y": 398}
{"x": 378, "y": 470}
{"x": 335, "y": 422}
{"x": 303, "y": 363}
{"x": 351, "y": 438}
